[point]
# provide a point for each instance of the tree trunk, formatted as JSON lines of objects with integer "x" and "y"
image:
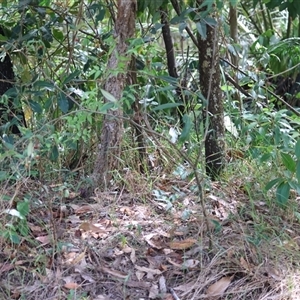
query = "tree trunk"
{"x": 112, "y": 130}
{"x": 213, "y": 109}
{"x": 9, "y": 112}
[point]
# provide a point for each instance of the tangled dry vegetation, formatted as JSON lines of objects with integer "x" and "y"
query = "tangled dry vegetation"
{"x": 130, "y": 244}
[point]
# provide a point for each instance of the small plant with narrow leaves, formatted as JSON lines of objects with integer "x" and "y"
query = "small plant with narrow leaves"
{"x": 290, "y": 177}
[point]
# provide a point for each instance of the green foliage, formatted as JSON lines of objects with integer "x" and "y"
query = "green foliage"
{"x": 16, "y": 226}
{"x": 289, "y": 177}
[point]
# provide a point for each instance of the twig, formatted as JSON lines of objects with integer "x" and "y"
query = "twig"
{"x": 174, "y": 294}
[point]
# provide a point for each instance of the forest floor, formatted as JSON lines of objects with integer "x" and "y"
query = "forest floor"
{"x": 146, "y": 241}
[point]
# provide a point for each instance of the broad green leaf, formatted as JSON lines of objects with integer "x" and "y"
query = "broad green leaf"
{"x": 295, "y": 186}
{"x": 166, "y": 106}
{"x": 297, "y": 149}
{"x": 14, "y": 238}
{"x": 36, "y": 107}
{"x": 63, "y": 102}
{"x": 58, "y": 34}
{"x": 14, "y": 212}
{"x": 186, "y": 128}
{"x": 177, "y": 20}
{"x": 105, "y": 107}
{"x": 71, "y": 76}
{"x": 283, "y": 193}
{"x": 54, "y": 153}
{"x": 210, "y": 21}
{"x": 23, "y": 208}
{"x": 169, "y": 79}
{"x": 298, "y": 171}
{"x": 272, "y": 183}
{"x": 3, "y": 175}
{"x": 44, "y": 85}
{"x": 108, "y": 96}
{"x": 288, "y": 161}
{"x": 100, "y": 16}
{"x": 3, "y": 38}
{"x": 202, "y": 30}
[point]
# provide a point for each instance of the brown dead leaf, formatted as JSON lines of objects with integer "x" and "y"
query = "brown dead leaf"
{"x": 43, "y": 239}
{"x": 113, "y": 272}
{"x": 126, "y": 211}
{"x": 85, "y": 226}
{"x": 78, "y": 258}
{"x": 182, "y": 245}
{"x": 139, "y": 275}
{"x": 244, "y": 264}
{"x": 219, "y": 287}
{"x": 154, "y": 240}
{"x": 83, "y": 209}
{"x": 154, "y": 291}
{"x": 186, "y": 287}
{"x": 4, "y": 267}
{"x": 72, "y": 195}
{"x": 71, "y": 285}
{"x": 132, "y": 256}
{"x": 190, "y": 263}
{"x": 274, "y": 273}
{"x": 150, "y": 272}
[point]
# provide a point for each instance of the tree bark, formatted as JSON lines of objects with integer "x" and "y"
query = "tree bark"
{"x": 10, "y": 112}
{"x": 112, "y": 130}
{"x": 213, "y": 109}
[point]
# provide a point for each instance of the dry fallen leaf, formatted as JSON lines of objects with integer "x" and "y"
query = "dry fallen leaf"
{"x": 43, "y": 239}
{"x": 245, "y": 264}
{"x": 219, "y": 287}
{"x": 154, "y": 292}
{"x": 190, "y": 263}
{"x": 71, "y": 285}
{"x": 182, "y": 245}
{"x": 85, "y": 226}
{"x": 186, "y": 287}
{"x": 150, "y": 272}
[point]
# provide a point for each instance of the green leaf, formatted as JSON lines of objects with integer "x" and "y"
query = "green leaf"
{"x": 288, "y": 161}
{"x": 295, "y": 186}
{"x": 57, "y": 34}
{"x": 23, "y": 208}
{"x": 186, "y": 128}
{"x": 14, "y": 212}
{"x": 63, "y": 102}
{"x": 169, "y": 79}
{"x": 3, "y": 38}
{"x": 71, "y": 76}
{"x": 177, "y": 20}
{"x": 44, "y": 85}
{"x": 283, "y": 193}
{"x": 14, "y": 238}
{"x": 202, "y": 30}
{"x": 108, "y": 96}
{"x": 272, "y": 183}
{"x": 104, "y": 108}
{"x": 210, "y": 21}
{"x": 3, "y": 175}
{"x": 298, "y": 171}
{"x": 54, "y": 153}
{"x": 297, "y": 149}
{"x": 36, "y": 107}
{"x": 166, "y": 106}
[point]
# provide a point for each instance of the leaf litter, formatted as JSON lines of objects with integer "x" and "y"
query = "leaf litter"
{"x": 134, "y": 249}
